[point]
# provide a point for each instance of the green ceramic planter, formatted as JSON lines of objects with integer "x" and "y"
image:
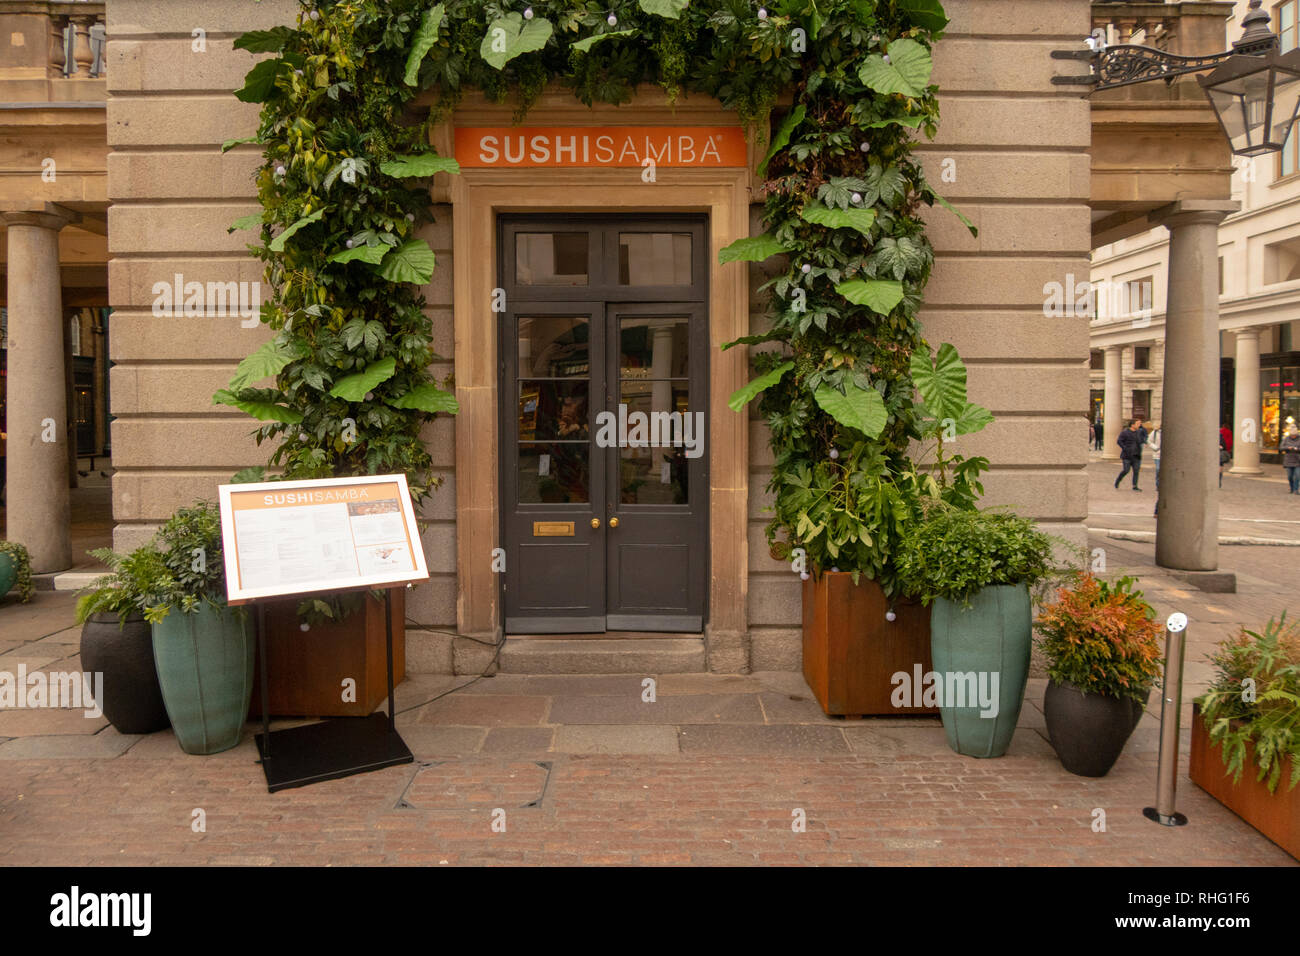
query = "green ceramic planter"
{"x": 205, "y": 670}
{"x": 990, "y": 637}
{"x": 8, "y": 573}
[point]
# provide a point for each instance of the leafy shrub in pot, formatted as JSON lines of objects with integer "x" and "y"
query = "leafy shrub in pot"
{"x": 976, "y": 568}
{"x": 1252, "y": 710}
{"x": 1102, "y": 644}
{"x": 203, "y": 648}
{"x": 16, "y": 571}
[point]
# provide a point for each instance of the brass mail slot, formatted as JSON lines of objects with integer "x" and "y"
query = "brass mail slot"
{"x": 552, "y": 529}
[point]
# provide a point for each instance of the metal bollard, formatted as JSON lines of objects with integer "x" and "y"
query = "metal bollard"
{"x": 1167, "y": 768}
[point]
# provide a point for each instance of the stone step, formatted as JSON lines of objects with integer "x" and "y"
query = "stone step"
{"x": 658, "y": 655}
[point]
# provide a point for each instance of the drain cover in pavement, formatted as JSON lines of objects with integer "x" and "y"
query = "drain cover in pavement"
{"x": 476, "y": 785}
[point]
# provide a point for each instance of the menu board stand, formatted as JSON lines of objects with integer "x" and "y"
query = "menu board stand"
{"x": 336, "y": 747}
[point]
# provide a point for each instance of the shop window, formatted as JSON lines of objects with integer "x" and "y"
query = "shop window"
{"x": 74, "y": 333}
{"x": 1139, "y": 296}
{"x": 1142, "y": 403}
{"x": 1097, "y": 360}
{"x": 1282, "y": 261}
{"x": 551, "y": 258}
{"x": 1142, "y": 358}
{"x": 1284, "y": 15}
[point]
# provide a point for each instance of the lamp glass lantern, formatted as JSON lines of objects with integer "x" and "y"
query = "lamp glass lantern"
{"x": 1256, "y": 98}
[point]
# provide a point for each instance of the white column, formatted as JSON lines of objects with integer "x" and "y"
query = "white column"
{"x": 661, "y": 367}
{"x": 1114, "y": 411}
{"x": 1187, "y": 526}
{"x": 37, "y": 502}
{"x": 1246, "y": 405}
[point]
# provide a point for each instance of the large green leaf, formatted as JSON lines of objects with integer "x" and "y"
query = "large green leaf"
{"x": 973, "y": 418}
{"x": 859, "y": 219}
{"x": 426, "y": 164}
{"x": 512, "y": 35}
{"x": 263, "y": 41}
{"x": 261, "y": 410}
{"x": 371, "y": 254}
{"x": 752, "y": 249}
{"x": 782, "y": 136}
{"x": 742, "y": 396}
{"x": 861, "y": 408}
{"x": 260, "y": 80}
{"x": 926, "y": 14}
{"x": 426, "y": 35}
{"x": 277, "y": 244}
{"x": 942, "y": 383}
{"x": 412, "y": 261}
{"x": 911, "y": 122}
{"x": 246, "y": 222}
{"x": 879, "y": 295}
{"x": 907, "y": 72}
{"x": 672, "y": 9}
{"x": 586, "y": 43}
{"x": 353, "y": 388}
{"x": 428, "y": 398}
{"x": 269, "y": 360}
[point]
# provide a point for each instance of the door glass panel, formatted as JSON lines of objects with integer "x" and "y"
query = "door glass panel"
{"x": 551, "y": 347}
{"x": 551, "y": 258}
{"x": 654, "y": 347}
{"x": 554, "y": 472}
{"x": 550, "y": 410}
{"x": 654, "y": 258}
{"x": 661, "y": 436}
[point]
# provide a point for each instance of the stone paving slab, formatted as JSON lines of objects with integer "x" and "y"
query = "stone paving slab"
{"x": 485, "y": 711}
{"x": 519, "y": 740}
{"x": 617, "y": 739}
{"x": 761, "y": 739}
{"x": 69, "y": 746}
{"x": 48, "y": 720}
{"x": 426, "y": 740}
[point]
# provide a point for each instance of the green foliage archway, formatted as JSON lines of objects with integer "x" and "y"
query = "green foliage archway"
{"x": 344, "y": 190}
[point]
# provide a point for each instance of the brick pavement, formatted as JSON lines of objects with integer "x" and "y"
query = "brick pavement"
{"x": 714, "y": 772}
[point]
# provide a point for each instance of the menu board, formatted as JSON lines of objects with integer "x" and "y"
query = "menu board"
{"x": 300, "y": 537}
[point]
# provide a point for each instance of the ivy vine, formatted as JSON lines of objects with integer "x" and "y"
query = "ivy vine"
{"x": 345, "y": 189}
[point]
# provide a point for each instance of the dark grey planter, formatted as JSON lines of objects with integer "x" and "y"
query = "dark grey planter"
{"x": 1088, "y": 731}
{"x": 132, "y": 700}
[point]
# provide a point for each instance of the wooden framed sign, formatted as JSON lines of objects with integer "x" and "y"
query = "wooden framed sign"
{"x": 299, "y": 537}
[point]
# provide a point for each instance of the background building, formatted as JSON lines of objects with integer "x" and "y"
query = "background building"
{"x": 1259, "y": 299}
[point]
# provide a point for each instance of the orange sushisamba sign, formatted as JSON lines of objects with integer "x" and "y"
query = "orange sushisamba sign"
{"x": 504, "y": 147}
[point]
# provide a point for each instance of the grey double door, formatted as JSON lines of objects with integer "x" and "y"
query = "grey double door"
{"x": 604, "y": 456}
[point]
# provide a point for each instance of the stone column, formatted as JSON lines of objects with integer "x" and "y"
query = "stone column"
{"x": 37, "y": 500}
{"x": 1114, "y": 420}
{"x": 1246, "y": 405}
{"x": 1187, "y": 526}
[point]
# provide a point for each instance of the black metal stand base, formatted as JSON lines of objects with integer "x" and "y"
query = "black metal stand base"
{"x": 334, "y": 748}
{"x": 1154, "y": 815}
{"x": 338, "y": 747}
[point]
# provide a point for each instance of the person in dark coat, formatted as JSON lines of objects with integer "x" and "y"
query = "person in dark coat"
{"x": 1098, "y": 434}
{"x": 1289, "y": 446}
{"x": 1130, "y": 453}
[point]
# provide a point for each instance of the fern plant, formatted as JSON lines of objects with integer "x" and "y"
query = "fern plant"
{"x": 23, "y": 566}
{"x": 1254, "y": 702}
{"x": 135, "y": 582}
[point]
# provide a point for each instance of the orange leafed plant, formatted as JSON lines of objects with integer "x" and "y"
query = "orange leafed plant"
{"x": 1102, "y": 638}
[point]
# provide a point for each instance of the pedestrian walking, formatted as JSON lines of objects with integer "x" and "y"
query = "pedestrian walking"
{"x": 1130, "y": 453}
{"x": 1153, "y": 445}
{"x": 1289, "y": 446}
{"x": 1225, "y": 451}
{"x": 1099, "y": 434}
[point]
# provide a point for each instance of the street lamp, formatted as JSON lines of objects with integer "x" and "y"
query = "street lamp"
{"x": 1254, "y": 89}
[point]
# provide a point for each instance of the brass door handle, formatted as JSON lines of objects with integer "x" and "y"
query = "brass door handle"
{"x": 613, "y": 522}
{"x": 595, "y": 522}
